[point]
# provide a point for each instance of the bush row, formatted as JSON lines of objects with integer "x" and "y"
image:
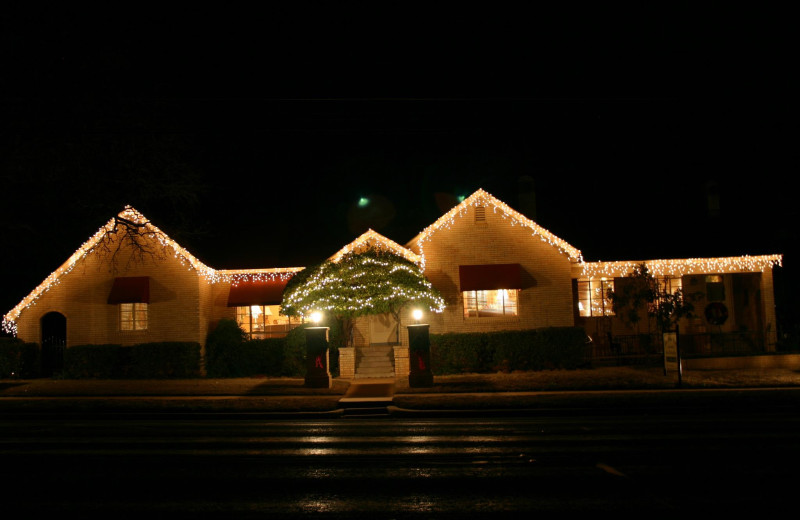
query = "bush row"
{"x": 160, "y": 360}
{"x": 18, "y": 359}
{"x": 230, "y": 354}
{"x": 484, "y": 352}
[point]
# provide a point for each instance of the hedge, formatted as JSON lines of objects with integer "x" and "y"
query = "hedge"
{"x": 169, "y": 359}
{"x": 230, "y": 354}
{"x": 97, "y": 362}
{"x": 485, "y": 352}
{"x": 159, "y": 360}
{"x": 18, "y": 359}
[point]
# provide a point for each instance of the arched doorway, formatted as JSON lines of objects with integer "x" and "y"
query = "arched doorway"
{"x": 54, "y": 341}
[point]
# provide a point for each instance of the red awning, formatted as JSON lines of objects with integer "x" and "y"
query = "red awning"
{"x": 257, "y": 293}
{"x": 130, "y": 289}
{"x": 490, "y": 277}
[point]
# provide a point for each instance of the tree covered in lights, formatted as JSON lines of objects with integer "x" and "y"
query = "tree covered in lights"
{"x": 360, "y": 284}
{"x": 644, "y": 293}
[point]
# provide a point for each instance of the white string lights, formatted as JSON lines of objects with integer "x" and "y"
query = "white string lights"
{"x": 365, "y": 283}
{"x": 372, "y": 239}
{"x": 515, "y": 218}
{"x": 132, "y": 215}
{"x": 237, "y": 276}
{"x": 680, "y": 267}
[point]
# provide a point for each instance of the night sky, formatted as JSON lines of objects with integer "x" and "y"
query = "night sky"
{"x": 251, "y": 137}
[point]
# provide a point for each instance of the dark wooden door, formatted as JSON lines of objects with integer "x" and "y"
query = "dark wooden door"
{"x": 54, "y": 341}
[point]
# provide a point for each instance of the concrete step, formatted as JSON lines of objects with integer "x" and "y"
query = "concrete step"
{"x": 373, "y": 357}
{"x": 375, "y": 363}
{"x": 374, "y": 375}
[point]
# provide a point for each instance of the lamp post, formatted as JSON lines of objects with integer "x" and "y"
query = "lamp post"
{"x": 419, "y": 353}
{"x": 318, "y": 373}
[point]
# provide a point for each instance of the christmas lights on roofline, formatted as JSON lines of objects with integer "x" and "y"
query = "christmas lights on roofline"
{"x": 130, "y": 214}
{"x": 375, "y": 240}
{"x": 680, "y": 267}
{"x": 370, "y": 238}
{"x": 482, "y": 198}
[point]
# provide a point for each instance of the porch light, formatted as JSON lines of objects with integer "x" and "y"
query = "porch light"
{"x": 316, "y": 317}
{"x": 417, "y": 314}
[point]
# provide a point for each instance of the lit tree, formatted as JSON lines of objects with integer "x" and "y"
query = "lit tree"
{"x": 643, "y": 292}
{"x": 360, "y": 284}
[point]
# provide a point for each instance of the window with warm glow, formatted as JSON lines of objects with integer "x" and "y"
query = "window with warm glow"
{"x": 670, "y": 284}
{"x": 500, "y": 302}
{"x": 593, "y": 298}
{"x": 262, "y": 321}
{"x": 132, "y": 316}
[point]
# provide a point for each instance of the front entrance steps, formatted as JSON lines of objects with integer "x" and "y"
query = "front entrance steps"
{"x": 375, "y": 362}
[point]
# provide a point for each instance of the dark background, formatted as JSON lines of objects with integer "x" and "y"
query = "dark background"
{"x": 250, "y": 136}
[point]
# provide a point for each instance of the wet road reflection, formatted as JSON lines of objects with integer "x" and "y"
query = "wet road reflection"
{"x": 392, "y": 468}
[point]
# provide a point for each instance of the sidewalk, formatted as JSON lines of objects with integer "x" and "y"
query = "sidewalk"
{"x": 620, "y": 388}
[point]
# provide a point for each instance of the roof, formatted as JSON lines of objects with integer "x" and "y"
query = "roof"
{"x": 132, "y": 215}
{"x": 374, "y": 239}
{"x": 515, "y": 218}
{"x": 680, "y": 267}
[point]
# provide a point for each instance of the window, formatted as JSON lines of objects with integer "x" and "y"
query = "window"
{"x": 499, "y": 302}
{"x": 715, "y": 288}
{"x": 262, "y": 321}
{"x": 593, "y": 298}
{"x": 670, "y": 284}
{"x": 132, "y": 316}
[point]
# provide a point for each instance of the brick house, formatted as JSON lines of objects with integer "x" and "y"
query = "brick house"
{"x": 496, "y": 269}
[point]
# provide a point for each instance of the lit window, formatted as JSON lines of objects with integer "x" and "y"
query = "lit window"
{"x": 262, "y": 321}
{"x": 670, "y": 284}
{"x": 500, "y": 302}
{"x": 593, "y": 298}
{"x": 132, "y": 316}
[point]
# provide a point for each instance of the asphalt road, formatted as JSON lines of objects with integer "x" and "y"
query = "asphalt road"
{"x": 198, "y": 465}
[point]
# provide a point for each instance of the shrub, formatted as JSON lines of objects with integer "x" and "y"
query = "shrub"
{"x": 224, "y": 349}
{"x": 230, "y": 354}
{"x": 454, "y": 353}
{"x": 165, "y": 360}
{"x": 18, "y": 359}
{"x": 261, "y": 357}
{"x": 294, "y": 356}
{"x": 563, "y": 347}
{"x": 535, "y": 349}
{"x": 96, "y": 362}
{"x": 514, "y": 350}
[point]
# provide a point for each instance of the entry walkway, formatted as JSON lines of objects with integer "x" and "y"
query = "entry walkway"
{"x": 368, "y": 397}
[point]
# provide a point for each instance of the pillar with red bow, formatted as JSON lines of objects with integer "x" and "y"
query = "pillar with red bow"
{"x": 318, "y": 373}
{"x": 419, "y": 356}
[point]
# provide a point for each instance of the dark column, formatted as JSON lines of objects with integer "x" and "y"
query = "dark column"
{"x": 419, "y": 356}
{"x": 318, "y": 373}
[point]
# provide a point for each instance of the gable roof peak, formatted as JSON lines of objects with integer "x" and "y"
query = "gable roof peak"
{"x": 130, "y": 212}
{"x": 482, "y": 197}
{"x": 371, "y": 238}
